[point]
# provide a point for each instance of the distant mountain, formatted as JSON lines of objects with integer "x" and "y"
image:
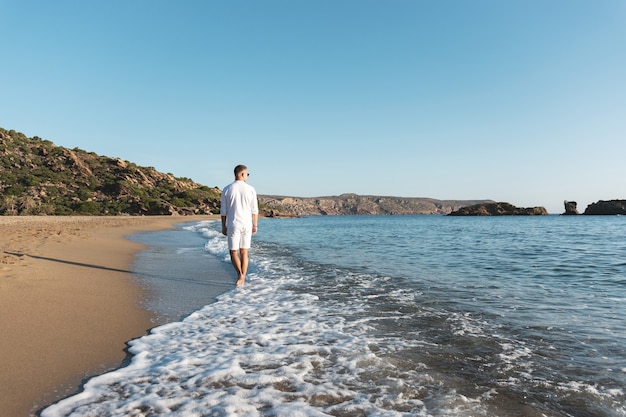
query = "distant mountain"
{"x": 360, "y": 204}
{"x": 37, "y": 177}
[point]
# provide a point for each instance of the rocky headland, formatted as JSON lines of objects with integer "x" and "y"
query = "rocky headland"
{"x": 345, "y": 204}
{"x": 498, "y": 209}
{"x": 610, "y": 207}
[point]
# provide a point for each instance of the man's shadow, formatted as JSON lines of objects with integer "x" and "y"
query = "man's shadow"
{"x": 19, "y": 255}
{"x": 107, "y": 268}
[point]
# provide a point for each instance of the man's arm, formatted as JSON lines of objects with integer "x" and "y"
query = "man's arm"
{"x": 224, "y": 231}
{"x": 255, "y": 211}
{"x": 255, "y": 222}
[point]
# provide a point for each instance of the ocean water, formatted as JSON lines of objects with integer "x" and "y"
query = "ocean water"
{"x": 180, "y": 276}
{"x": 387, "y": 316}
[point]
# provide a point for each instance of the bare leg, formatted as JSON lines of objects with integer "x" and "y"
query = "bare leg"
{"x": 243, "y": 254}
{"x": 239, "y": 259}
{"x": 234, "y": 259}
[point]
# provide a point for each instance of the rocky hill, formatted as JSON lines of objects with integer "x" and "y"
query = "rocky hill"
{"x": 499, "y": 209}
{"x": 358, "y": 204}
{"x": 37, "y": 177}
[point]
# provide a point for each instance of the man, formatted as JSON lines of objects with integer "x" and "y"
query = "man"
{"x": 240, "y": 216}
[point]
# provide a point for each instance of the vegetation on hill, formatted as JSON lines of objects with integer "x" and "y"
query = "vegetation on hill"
{"x": 37, "y": 178}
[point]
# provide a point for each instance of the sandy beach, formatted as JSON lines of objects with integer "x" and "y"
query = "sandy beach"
{"x": 68, "y": 303}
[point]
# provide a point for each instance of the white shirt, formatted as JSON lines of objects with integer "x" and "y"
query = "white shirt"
{"x": 239, "y": 203}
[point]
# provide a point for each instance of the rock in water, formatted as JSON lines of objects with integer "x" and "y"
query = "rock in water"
{"x": 570, "y": 207}
{"x": 603, "y": 207}
{"x": 499, "y": 209}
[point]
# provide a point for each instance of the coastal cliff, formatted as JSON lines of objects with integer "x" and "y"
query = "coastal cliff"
{"x": 344, "y": 204}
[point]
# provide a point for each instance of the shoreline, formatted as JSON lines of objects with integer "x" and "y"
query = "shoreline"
{"x": 68, "y": 304}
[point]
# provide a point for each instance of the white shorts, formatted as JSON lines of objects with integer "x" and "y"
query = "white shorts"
{"x": 239, "y": 237}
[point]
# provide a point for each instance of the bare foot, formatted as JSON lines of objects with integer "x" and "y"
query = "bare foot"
{"x": 240, "y": 281}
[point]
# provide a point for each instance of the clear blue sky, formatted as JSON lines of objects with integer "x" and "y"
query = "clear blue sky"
{"x": 518, "y": 101}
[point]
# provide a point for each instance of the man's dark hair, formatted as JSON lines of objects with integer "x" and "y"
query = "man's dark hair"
{"x": 239, "y": 169}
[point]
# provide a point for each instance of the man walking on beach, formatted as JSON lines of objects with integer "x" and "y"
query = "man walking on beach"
{"x": 240, "y": 216}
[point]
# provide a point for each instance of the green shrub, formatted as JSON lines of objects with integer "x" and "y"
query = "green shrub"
{"x": 87, "y": 207}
